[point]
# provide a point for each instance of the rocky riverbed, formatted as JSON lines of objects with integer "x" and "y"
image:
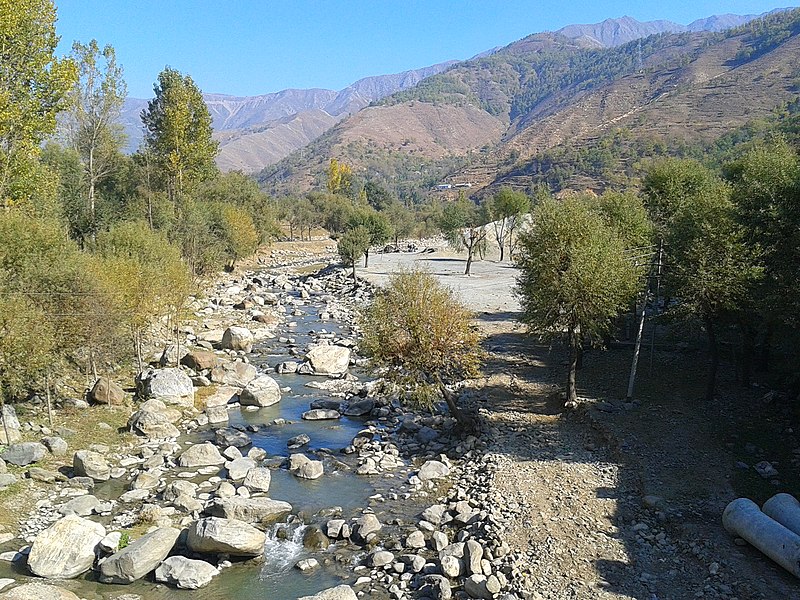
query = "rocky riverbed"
{"x": 267, "y": 460}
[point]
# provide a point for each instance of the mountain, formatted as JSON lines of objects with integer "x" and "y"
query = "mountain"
{"x": 255, "y": 131}
{"x": 510, "y": 117}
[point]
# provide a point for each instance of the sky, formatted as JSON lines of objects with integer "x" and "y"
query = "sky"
{"x": 252, "y": 47}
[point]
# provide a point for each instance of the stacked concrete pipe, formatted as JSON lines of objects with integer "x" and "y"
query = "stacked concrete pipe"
{"x": 773, "y": 531}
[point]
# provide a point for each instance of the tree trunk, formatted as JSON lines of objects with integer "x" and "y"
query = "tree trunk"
{"x": 366, "y": 258}
{"x": 470, "y": 250}
{"x": 355, "y": 279}
{"x": 572, "y": 390}
{"x": 502, "y": 251}
{"x": 713, "y": 350}
{"x": 464, "y": 420}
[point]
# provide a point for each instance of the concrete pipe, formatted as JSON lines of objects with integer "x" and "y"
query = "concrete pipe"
{"x": 743, "y": 518}
{"x": 785, "y": 509}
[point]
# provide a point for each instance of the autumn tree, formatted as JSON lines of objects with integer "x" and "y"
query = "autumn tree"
{"x": 178, "y": 133}
{"x": 97, "y": 99}
{"x": 340, "y": 178}
{"x": 34, "y": 86}
{"x": 574, "y": 276}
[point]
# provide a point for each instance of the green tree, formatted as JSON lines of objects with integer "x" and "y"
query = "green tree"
{"x": 352, "y": 246}
{"x": 33, "y": 90}
{"x": 97, "y": 99}
{"x": 401, "y": 220}
{"x": 242, "y": 191}
{"x": 178, "y": 133}
{"x": 574, "y": 276}
{"x": 375, "y": 223}
{"x": 505, "y": 210}
{"x": 423, "y": 336}
{"x": 463, "y": 224}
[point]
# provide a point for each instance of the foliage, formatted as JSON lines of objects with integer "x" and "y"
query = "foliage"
{"x": 464, "y": 226}
{"x": 352, "y": 246}
{"x": 236, "y": 231}
{"x": 625, "y": 212}
{"x": 422, "y": 335}
{"x": 340, "y": 178}
{"x": 574, "y": 275}
{"x": 33, "y": 89}
{"x": 505, "y": 210}
{"x": 376, "y": 224}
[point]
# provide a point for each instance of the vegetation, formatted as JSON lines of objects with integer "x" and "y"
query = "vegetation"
{"x": 463, "y": 223}
{"x": 505, "y": 211}
{"x": 421, "y": 334}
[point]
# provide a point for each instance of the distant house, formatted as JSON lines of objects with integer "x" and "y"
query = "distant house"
{"x": 463, "y": 185}
{"x": 443, "y": 186}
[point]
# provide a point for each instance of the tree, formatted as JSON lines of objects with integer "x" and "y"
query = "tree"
{"x": 574, "y": 276}
{"x": 376, "y": 224}
{"x": 401, "y": 220}
{"x": 422, "y": 335}
{"x": 505, "y": 209}
{"x": 340, "y": 178}
{"x": 33, "y": 90}
{"x": 178, "y": 133}
{"x": 237, "y": 232}
{"x": 352, "y": 246}
{"x": 97, "y": 99}
{"x": 464, "y": 226}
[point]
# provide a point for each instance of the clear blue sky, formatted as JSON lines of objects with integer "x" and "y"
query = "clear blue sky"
{"x": 250, "y": 47}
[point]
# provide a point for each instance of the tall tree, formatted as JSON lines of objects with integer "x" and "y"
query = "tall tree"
{"x": 33, "y": 90}
{"x": 340, "y": 178}
{"x": 574, "y": 275}
{"x": 98, "y": 96}
{"x": 178, "y": 133}
{"x": 464, "y": 225}
{"x": 375, "y": 223}
{"x": 505, "y": 210}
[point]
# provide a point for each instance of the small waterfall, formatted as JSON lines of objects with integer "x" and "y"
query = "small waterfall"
{"x": 283, "y": 548}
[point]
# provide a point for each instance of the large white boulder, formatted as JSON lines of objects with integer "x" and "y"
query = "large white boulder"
{"x": 327, "y": 359}
{"x": 237, "y": 338}
{"x": 340, "y": 592}
{"x": 172, "y": 386}
{"x": 185, "y": 573}
{"x": 139, "y": 558}
{"x": 225, "y": 536}
{"x": 201, "y": 455}
{"x": 66, "y": 548}
{"x": 262, "y": 391}
{"x": 38, "y": 591}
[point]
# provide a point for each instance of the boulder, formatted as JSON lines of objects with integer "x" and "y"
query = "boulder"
{"x": 157, "y": 406}
{"x": 9, "y": 421}
{"x": 228, "y": 436}
{"x": 237, "y": 338}
{"x": 238, "y": 468}
{"x": 200, "y": 455}
{"x": 38, "y": 591}
{"x": 140, "y": 557}
{"x": 433, "y": 469}
{"x": 56, "y": 445}
{"x": 340, "y": 592}
{"x": 152, "y": 425}
{"x": 7, "y": 479}
{"x": 200, "y": 360}
{"x": 360, "y": 408}
{"x": 177, "y": 488}
{"x": 185, "y": 573}
{"x": 236, "y": 373}
{"x": 479, "y": 586}
{"x": 262, "y": 391}
{"x": 327, "y": 359}
{"x": 365, "y": 526}
{"x": 106, "y": 391}
{"x": 222, "y": 395}
{"x": 217, "y": 414}
{"x": 83, "y": 506}
{"x": 304, "y": 467}
{"x": 226, "y": 536}
{"x": 86, "y": 463}
{"x": 321, "y": 414}
{"x": 258, "y": 479}
{"x": 66, "y": 548}
{"x": 380, "y": 558}
{"x": 251, "y": 510}
{"x": 24, "y": 453}
{"x": 171, "y": 385}
{"x": 288, "y": 366}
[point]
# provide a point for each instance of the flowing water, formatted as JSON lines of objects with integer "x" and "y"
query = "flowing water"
{"x": 276, "y": 578}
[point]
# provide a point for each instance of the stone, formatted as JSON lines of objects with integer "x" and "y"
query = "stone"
{"x": 380, "y": 558}
{"x": 262, "y": 391}
{"x": 434, "y": 513}
{"x": 222, "y": 395}
{"x": 83, "y": 506}
{"x": 200, "y": 360}
{"x": 479, "y": 586}
{"x": 217, "y": 414}
{"x": 237, "y": 338}
{"x": 258, "y": 479}
{"x": 178, "y": 488}
{"x": 307, "y": 564}
{"x": 185, "y": 573}
{"x": 341, "y": 592}
{"x": 415, "y": 540}
{"x": 171, "y": 385}
{"x": 238, "y": 468}
{"x": 145, "y": 481}
{"x": 56, "y": 445}
{"x": 9, "y": 421}
{"x": 66, "y": 548}
{"x": 433, "y": 469}
{"x": 7, "y": 479}
{"x": 187, "y": 504}
{"x": 24, "y": 453}
{"x": 451, "y": 566}
{"x": 140, "y": 557}
{"x": 439, "y": 540}
{"x": 360, "y": 408}
{"x": 152, "y": 425}
{"x": 251, "y": 510}
{"x": 305, "y": 468}
{"x": 110, "y": 543}
{"x": 288, "y": 366}
{"x": 228, "y": 436}
{"x": 314, "y": 539}
{"x": 86, "y": 463}
{"x": 327, "y": 359}
{"x": 237, "y": 374}
{"x": 321, "y": 414}
{"x": 228, "y": 536}
{"x": 200, "y": 455}
{"x": 106, "y": 391}
{"x": 298, "y": 441}
{"x": 38, "y": 591}
{"x": 437, "y": 587}
{"x": 473, "y": 553}
{"x": 365, "y": 526}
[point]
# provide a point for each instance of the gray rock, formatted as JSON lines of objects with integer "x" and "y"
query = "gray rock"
{"x": 24, "y": 453}
{"x": 251, "y": 510}
{"x": 298, "y": 441}
{"x": 66, "y": 548}
{"x": 228, "y": 536}
{"x": 237, "y": 374}
{"x": 238, "y": 468}
{"x": 187, "y": 504}
{"x": 179, "y": 488}
{"x": 185, "y": 573}
{"x": 328, "y": 359}
{"x": 433, "y": 469}
{"x": 38, "y": 591}
{"x": 86, "y": 463}
{"x": 415, "y": 540}
{"x": 451, "y": 566}
{"x": 307, "y": 564}
{"x": 321, "y": 414}
{"x": 341, "y": 592}
{"x": 258, "y": 479}
{"x": 479, "y": 586}
{"x": 228, "y": 436}
{"x": 360, "y": 408}
{"x": 305, "y": 468}
{"x": 262, "y": 391}
{"x": 83, "y": 506}
{"x": 217, "y": 414}
{"x": 106, "y": 391}
{"x": 171, "y": 385}
{"x": 152, "y": 425}
{"x": 473, "y": 553}
{"x": 288, "y": 366}
{"x": 380, "y": 558}
{"x": 139, "y": 558}
{"x": 365, "y": 526}
{"x": 437, "y": 587}
{"x": 200, "y": 455}
{"x": 56, "y": 445}
{"x": 237, "y": 338}
{"x": 7, "y": 479}
{"x": 9, "y": 421}
{"x": 222, "y": 395}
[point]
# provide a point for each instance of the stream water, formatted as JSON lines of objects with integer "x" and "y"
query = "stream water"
{"x": 276, "y": 578}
